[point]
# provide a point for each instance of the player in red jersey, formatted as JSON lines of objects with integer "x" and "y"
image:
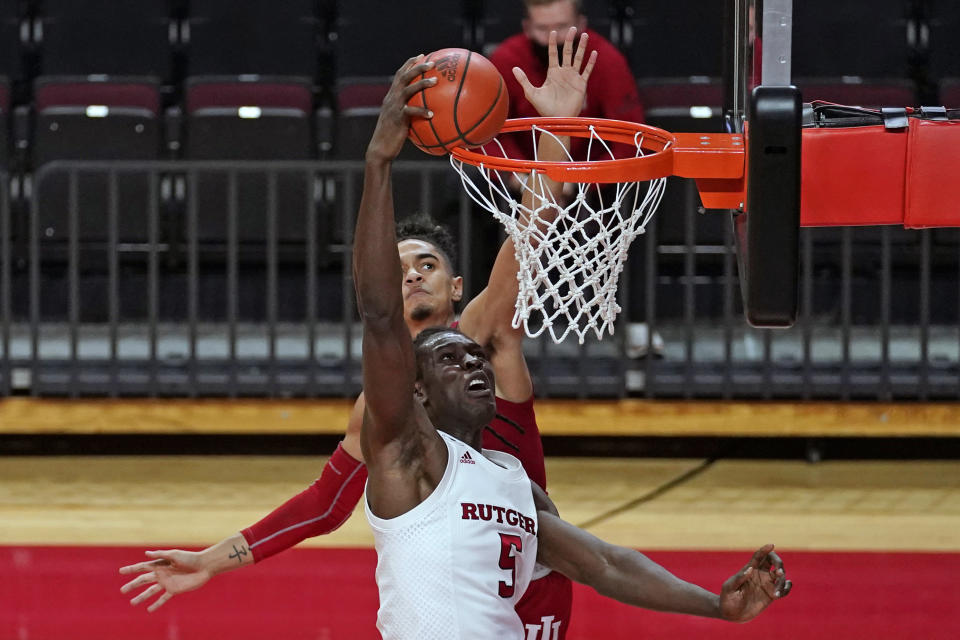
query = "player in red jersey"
{"x": 430, "y": 293}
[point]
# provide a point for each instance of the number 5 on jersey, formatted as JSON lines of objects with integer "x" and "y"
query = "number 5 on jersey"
{"x": 508, "y": 562}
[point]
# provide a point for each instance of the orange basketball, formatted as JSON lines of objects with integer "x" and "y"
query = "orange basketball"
{"x": 469, "y": 102}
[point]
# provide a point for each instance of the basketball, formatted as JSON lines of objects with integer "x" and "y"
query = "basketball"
{"x": 469, "y": 102}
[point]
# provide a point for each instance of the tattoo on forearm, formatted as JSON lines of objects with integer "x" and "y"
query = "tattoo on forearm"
{"x": 237, "y": 553}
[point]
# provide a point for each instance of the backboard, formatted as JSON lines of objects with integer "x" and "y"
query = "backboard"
{"x": 760, "y": 100}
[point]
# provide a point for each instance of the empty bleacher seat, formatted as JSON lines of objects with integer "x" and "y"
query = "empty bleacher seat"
{"x": 950, "y": 93}
{"x": 496, "y": 21}
{"x": 692, "y": 104}
{"x": 104, "y": 119}
{"x": 375, "y": 37}
{"x": 250, "y": 119}
{"x": 254, "y": 36}
{"x": 13, "y": 31}
{"x": 106, "y": 37}
{"x": 944, "y": 45}
{"x": 4, "y": 123}
{"x": 673, "y": 39}
{"x": 840, "y": 38}
{"x": 358, "y": 107}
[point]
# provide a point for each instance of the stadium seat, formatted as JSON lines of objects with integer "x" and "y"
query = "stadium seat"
{"x": 365, "y": 46}
{"x": 79, "y": 119}
{"x": 496, "y": 21}
{"x": 667, "y": 42}
{"x": 944, "y": 44}
{"x": 833, "y": 39}
{"x": 950, "y": 93}
{"x": 250, "y": 119}
{"x": 691, "y": 104}
{"x": 358, "y": 107}
{"x": 106, "y": 37}
{"x": 225, "y": 37}
{"x": 13, "y": 29}
{"x": 4, "y": 124}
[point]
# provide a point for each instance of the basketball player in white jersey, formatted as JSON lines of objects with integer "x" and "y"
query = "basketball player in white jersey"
{"x": 431, "y": 289}
{"x": 458, "y": 530}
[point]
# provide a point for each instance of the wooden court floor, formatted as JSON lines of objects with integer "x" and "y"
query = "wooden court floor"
{"x": 643, "y": 503}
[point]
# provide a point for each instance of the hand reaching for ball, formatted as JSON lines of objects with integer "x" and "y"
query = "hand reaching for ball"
{"x": 563, "y": 91}
{"x": 395, "y": 113}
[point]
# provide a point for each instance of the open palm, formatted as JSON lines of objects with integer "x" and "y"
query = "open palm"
{"x": 170, "y": 572}
{"x": 565, "y": 86}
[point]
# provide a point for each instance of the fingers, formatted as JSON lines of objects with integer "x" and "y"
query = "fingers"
{"x": 581, "y": 47}
{"x": 523, "y": 80}
{"x": 774, "y": 564}
{"x": 784, "y": 591}
{"x": 413, "y": 89}
{"x": 760, "y": 556}
{"x": 160, "y": 602}
{"x": 139, "y": 581}
{"x": 568, "y": 46}
{"x": 408, "y": 77}
{"x": 591, "y": 62}
{"x": 552, "y": 50}
{"x": 772, "y": 561}
{"x": 146, "y": 595}
{"x": 140, "y": 567}
{"x": 738, "y": 579}
{"x": 760, "y": 561}
{"x": 408, "y": 85}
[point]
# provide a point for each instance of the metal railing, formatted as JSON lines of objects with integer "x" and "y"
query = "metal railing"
{"x": 234, "y": 279}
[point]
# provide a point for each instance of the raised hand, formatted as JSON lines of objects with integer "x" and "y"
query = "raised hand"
{"x": 170, "y": 572}
{"x": 749, "y": 591}
{"x": 394, "y": 121}
{"x": 565, "y": 86}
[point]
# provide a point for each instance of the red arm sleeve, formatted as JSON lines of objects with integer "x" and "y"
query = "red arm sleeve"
{"x": 321, "y": 508}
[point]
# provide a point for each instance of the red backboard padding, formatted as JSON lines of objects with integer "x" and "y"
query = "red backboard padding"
{"x": 933, "y": 175}
{"x": 852, "y": 176}
{"x": 871, "y": 175}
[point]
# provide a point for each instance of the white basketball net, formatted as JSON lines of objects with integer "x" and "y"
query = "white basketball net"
{"x": 570, "y": 248}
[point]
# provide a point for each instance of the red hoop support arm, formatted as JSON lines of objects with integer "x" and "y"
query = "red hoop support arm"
{"x": 849, "y": 176}
{"x": 852, "y": 176}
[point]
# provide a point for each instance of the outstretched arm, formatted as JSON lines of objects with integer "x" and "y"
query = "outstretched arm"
{"x": 404, "y": 454}
{"x": 318, "y": 510}
{"x": 632, "y": 578}
{"x": 388, "y": 360}
{"x": 488, "y": 318}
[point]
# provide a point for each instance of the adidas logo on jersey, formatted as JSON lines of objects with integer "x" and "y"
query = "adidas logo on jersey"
{"x": 466, "y": 458}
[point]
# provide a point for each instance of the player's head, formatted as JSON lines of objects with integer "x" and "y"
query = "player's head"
{"x": 455, "y": 381}
{"x": 427, "y": 254}
{"x": 544, "y": 16}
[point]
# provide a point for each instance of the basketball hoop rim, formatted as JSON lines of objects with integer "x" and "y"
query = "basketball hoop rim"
{"x": 658, "y": 163}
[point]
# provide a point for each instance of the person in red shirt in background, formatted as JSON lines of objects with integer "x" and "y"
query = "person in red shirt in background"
{"x": 611, "y": 92}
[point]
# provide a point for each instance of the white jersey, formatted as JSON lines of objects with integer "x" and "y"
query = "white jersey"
{"x": 454, "y": 566}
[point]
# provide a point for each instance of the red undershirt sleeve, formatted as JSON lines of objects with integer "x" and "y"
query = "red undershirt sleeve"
{"x": 321, "y": 508}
